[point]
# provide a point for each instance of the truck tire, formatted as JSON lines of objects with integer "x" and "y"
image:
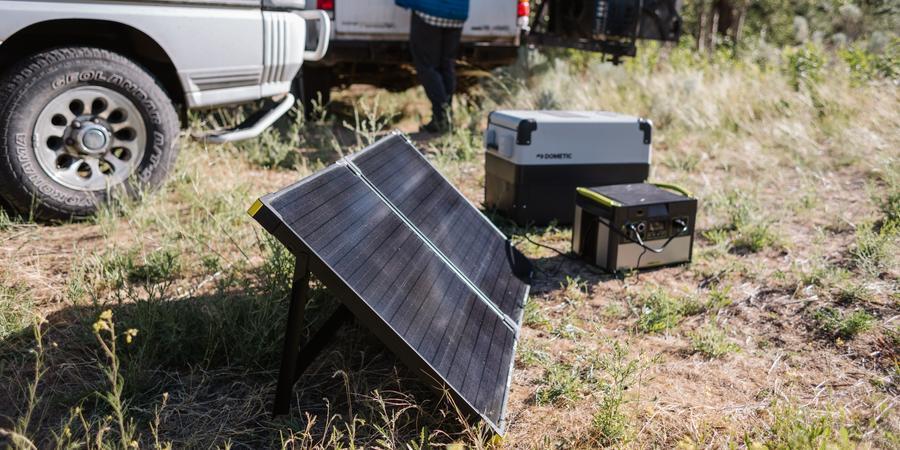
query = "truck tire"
{"x": 78, "y": 126}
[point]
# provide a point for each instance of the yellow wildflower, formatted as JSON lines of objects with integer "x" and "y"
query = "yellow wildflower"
{"x": 130, "y": 334}
{"x": 100, "y": 325}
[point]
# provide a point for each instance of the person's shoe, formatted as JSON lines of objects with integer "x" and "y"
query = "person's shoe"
{"x": 436, "y": 127}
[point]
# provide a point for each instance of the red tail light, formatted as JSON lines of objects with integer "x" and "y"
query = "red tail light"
{"x": 524, "y": 8}
{"x": 327, "y": 5}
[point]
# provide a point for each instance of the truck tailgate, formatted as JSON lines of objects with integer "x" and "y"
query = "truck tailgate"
{"x": 489, "y": 20}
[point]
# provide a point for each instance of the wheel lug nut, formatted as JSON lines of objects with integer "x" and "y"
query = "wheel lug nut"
{"x": 95, "y": 120}
{"x": 76, "y": 124}
{"x": 70, "y": 141}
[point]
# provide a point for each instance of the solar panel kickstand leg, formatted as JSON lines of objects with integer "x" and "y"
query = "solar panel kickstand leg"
{"x": 293, "y": 361}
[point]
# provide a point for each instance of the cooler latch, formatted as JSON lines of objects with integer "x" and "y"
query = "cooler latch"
{"x": 524, "y": 130}
{"x": 646, "y": 126}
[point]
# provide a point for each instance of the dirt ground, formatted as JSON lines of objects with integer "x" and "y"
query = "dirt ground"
{"x": 782, "y": 332}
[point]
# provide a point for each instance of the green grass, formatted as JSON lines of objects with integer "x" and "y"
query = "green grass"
{"x": 841, "y": 285}
{"x": 712, "y": 342}
{"x": 843, "y": 325}
{"x": 661, "y": 311}
{"x": 532, "y": 355}
{"x": 158, "y": 266}
{"x": 754, "y": 238}
{"x": 15, "y": 311}
{"x": 6, "y": 222}
{"x": 605, "y": 378}
{"x": 126, "y": 275}
{"x": 801, "y": 429}
{"x": 718, "y": 297}
{"x": 567, "y": 326}
{"x": 822, "y": 275}
{"x": 805, "y": 66}
{"x": 560, "y": 385}
{"x": 575, "y": 291}
{"x": 534, "y": 316}
{"x": 687, "y": 163}
{"x": 234, "y": 334}
{"x": 621, "y": 373}
{"x": 851, "y": 292}
{"x": 890, "y": 206}
{"x": 875, "y": 249}
{"x": 746, "y": 228}
{"x": 276, "y": 148}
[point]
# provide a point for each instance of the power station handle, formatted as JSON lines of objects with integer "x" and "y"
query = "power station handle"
{"x": 599, "y": 198}
{"x": 674, "y": 187}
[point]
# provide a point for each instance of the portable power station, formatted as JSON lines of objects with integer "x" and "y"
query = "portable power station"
{"x": 634, "y": 226}
{"x": 535, "y": 159}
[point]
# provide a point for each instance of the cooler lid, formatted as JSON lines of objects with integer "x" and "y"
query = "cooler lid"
{"x": 512, "y": 118}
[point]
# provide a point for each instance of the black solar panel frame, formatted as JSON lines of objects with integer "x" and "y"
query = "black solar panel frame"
{"x": 265, "y": 214}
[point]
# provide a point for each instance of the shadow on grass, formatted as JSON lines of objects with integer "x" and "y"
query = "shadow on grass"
{"x": 214, "y": 358}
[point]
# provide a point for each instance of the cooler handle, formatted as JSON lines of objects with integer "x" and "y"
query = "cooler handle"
{"x": 490, "y": 139}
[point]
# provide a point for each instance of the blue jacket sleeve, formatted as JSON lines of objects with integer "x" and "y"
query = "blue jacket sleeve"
{"x": 448, "y": 9}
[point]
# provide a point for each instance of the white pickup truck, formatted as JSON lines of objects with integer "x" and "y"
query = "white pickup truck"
{"x": 91, "y": 90}
{"x": 369, "y": 38}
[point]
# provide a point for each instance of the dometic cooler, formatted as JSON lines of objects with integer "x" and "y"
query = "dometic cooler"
{"x": 535, "y": 159}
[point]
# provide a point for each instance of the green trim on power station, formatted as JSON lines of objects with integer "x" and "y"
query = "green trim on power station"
{"x": 602, "y": 199}
{"x": 674, "y": 187}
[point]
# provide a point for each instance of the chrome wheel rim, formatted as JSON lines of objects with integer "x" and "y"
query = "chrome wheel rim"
{"x": 89, "y": 138}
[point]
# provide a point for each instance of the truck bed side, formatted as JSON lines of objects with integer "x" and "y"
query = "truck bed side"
{"x": 490, "y": 21}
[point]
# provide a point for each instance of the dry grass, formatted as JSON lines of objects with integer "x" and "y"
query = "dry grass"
{"x": 782, "y": 333}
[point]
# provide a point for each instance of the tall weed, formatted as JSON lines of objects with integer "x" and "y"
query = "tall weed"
{"x": 805, "y": 65}
{"x": 875, "y": 249}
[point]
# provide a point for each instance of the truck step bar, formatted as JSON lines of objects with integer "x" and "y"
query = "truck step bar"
{"x": 252, "y": 127}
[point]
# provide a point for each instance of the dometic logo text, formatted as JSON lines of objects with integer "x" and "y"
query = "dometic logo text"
{"x": 554, "y": 156}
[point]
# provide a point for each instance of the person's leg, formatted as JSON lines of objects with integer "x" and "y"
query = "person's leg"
{"x": 447, "y": 68}
{"x": 425, "y": 47}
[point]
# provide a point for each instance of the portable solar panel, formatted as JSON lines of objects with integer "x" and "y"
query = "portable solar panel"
{"x": 414, "y": 262}
{"x": 471, "y": 242}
